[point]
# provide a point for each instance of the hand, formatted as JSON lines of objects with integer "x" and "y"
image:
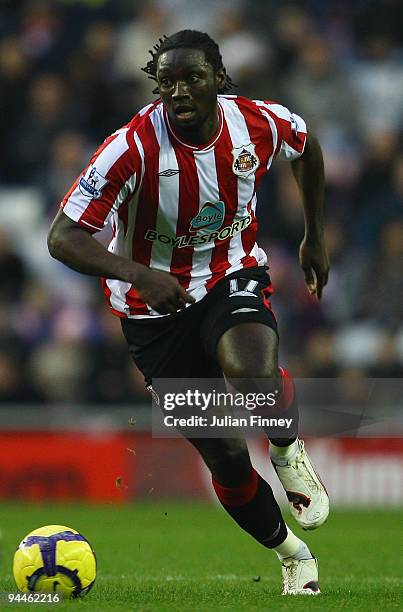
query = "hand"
{"x": 314, "y": 261}
{"x": 161, "y": 291}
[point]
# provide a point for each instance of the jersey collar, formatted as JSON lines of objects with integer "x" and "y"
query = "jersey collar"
{"x": 212, "y": 140}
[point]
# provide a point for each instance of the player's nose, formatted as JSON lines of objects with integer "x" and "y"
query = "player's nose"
{"x": 180, "y": 90}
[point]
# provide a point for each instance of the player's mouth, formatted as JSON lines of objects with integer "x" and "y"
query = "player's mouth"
{"x": 184, "y": 112}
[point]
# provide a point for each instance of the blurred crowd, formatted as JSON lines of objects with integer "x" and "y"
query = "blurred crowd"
{"x": 70, "y": 74}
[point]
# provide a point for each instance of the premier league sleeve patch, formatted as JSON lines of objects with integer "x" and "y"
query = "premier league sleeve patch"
{"x": 246, "y": 162}
{"x": 92, "y": 183}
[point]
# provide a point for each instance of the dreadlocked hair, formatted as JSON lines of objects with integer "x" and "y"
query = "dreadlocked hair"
{"x": 188, "y": 39}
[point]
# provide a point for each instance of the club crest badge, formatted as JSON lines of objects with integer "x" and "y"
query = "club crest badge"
{"x": 246, "y": 162}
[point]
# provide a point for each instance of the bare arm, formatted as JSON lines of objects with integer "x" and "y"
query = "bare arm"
{"x": 71, "y": 244}
{"x": 76, "y": 248}
{"x": 309, "y": 174}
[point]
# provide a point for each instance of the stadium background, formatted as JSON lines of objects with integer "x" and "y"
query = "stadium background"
{"x": 73, "y": 410}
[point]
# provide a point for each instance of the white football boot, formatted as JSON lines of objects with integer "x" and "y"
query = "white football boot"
{"x": 300, "y": 577}
{"x": 309, "y": 501}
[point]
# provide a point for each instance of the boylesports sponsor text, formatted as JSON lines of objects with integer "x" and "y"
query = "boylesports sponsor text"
{"x": 183, "y": 241}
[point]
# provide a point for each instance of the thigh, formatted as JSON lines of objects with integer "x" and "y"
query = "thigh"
{"x": 169, "y": 347}
{"x": 239, "y": 321}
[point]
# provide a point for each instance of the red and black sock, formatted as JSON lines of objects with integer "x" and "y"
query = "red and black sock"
{"x": 253, "y": 506}
{"x": 287, "y": 408}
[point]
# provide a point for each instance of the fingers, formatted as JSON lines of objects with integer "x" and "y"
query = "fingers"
{"x": 176, "y": 302}
{"x": 310, "y": 281}
{"x": 164, "y": 308}
{"x": 315, "y": 286}
{"x": 315, "y": 264}
{"x": 185, "y": 296}
{"x": 182, "y": 298}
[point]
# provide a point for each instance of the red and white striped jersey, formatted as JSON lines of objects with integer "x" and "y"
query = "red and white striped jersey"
{"x": 180, "y": 208}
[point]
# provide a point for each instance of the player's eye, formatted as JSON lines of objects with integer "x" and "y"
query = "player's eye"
{"x": 165, "y": 82}
{"x": 193, "y": 78}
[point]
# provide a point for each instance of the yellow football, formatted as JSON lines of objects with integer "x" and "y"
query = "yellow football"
{"x": 55, "y": 559}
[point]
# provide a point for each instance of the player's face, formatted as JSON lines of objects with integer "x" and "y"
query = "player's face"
{"x": 188, "y": 87}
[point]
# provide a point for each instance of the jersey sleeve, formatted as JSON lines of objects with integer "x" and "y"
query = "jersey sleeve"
{"x": 289, "y": 130}
{"x": 112, "y": 175}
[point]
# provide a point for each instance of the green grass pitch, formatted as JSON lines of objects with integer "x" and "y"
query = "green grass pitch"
{"x": 191, "y": 556}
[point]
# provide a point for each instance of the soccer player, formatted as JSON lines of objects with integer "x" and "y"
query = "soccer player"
{"x": 183, "y": 271}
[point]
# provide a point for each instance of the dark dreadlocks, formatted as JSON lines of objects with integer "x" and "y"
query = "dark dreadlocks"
{"x": 188, "y": 39}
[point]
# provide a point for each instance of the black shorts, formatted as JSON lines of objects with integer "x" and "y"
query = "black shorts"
{"x": 183, "y": 345}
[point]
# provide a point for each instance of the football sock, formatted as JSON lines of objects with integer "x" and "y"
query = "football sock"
{"x": 253, "y": 506}
{"x": 280, "y": 455}
{"x": 288, "y": 408}
{"x": 292, "y": 547}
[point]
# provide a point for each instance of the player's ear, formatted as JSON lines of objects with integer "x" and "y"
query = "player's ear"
{"x": 220, "y": 78}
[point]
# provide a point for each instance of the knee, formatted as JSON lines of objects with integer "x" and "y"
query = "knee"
{"x": 249, "y": 351}
{"x": 256, "y": 376}
{"x": 251, "y": 368}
